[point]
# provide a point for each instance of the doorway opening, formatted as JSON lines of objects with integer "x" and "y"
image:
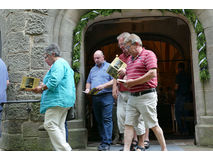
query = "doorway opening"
{"x": 169, "y": 39}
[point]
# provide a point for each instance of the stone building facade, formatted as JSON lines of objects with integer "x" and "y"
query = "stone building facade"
{"x": 25, "y": 34}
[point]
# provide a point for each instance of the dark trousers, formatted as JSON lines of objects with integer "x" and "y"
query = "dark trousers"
{"x": 66, "y": 130}
{"x": 180, "y": 112}
{"x": 102, "y": 108}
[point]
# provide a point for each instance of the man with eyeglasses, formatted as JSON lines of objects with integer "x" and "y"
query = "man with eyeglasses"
{"x": 121, "y": 94}
{"x": 141, "y": 80}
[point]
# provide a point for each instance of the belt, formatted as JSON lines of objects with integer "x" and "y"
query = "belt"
{"x": 143, "y": 92}
{"x": 101, "y": 94}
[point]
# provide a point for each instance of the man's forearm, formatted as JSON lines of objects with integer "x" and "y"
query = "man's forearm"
{"x": 88, "y": 86}
{"x": 108, "y": 84}
{"x": 147, "y": 77}
{"x": 114, "y": 84}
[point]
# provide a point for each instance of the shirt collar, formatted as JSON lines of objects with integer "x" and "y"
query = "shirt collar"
{"x": 102, "y": 64}
{"x": 134, "y": 58}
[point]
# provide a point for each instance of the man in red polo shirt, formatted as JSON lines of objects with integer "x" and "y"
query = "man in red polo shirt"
{"x": 121, "y": 93}
{"x": 141, "y": 76}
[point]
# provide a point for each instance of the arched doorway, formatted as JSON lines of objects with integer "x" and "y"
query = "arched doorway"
{"x": 168, "y": 37}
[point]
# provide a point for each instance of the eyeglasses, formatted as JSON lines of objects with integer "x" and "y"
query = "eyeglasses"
{"x": 127, "y": 47}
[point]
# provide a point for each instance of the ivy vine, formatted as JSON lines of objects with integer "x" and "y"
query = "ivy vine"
{"x": 201, "y": 40}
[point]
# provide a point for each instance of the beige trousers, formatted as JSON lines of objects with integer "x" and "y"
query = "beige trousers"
{"x": 54, "y": 123}
{"x": 122, "y": 102}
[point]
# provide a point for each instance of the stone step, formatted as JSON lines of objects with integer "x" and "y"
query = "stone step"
{"x": 76, "y": 123}
{"x": 77, "y": 138}
{"x": 206, "y": 119}
{"x": 204, "y": 134}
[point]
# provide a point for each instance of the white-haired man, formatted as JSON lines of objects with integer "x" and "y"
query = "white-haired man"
{"x": 141, "y": 80}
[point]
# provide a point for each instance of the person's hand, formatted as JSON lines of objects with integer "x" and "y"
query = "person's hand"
{"x": 115, "y": 93}
{"x": 100, "y": 87}
{"x": 129, "y": 83}
{"x": 37, "y": 89}
{"x": 121, "y": 72}
{"x": 86, "y": 91}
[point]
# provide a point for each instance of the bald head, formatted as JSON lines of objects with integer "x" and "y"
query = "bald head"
{"x": 98, "y": 57}
{"x": 99, "y": 52}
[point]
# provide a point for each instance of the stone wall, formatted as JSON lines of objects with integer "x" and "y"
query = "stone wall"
{"x": 24, "y": 35}
{"x": 23, "y": 41}
{"x": 20, "y": 125}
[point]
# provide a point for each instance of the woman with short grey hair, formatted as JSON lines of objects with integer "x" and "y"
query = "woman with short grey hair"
{"x": 58, "y": 95}
{"x": 53, "y": 48}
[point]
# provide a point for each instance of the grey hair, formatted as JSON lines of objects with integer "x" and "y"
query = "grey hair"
{"x": 133, "y": 38}
{"x": 53, "y": 48}
{"x": 123, "y": 35}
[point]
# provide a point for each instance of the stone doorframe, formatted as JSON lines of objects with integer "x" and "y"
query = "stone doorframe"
{"x": 204, "y": 115}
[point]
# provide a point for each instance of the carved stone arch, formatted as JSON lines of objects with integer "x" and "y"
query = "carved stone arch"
{"x": 134, "y": 15}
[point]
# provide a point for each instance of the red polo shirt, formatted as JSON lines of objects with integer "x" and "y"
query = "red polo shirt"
{"x": 140, "y": 65}
{"x": 125, "y": 59}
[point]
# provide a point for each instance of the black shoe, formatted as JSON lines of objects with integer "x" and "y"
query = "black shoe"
{"x": 140, "y": 148}
{"x": 146, "y": 144}
{"x": 134, "y": 145}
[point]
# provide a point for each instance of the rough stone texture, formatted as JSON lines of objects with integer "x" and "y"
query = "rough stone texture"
{"x": 15, "y": 94}
{"x": 40, "y": 40}
{"x": 11, "y": 91}
{"x": 16, "y": 22}
{"x": 12, "y": 127}
{"x": 18, "y": 42}
{"x": 12, "y": 142}
{"x": 44, "y": 144}
{"x": 35, "y": 25}
{"x": 25, "y": 33}
{"x": 35, "y": 113}
{"x": 15, "y": 111}
{"x": 37, "y": 58}
{"x": 30, "y": 129}
{"x": 31, "y": 144}
{"x": 19, "y": 62}
{"x": 16, "y": 77}
{"x": 42, "y": 11}
{"x": 39, "y": 74}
